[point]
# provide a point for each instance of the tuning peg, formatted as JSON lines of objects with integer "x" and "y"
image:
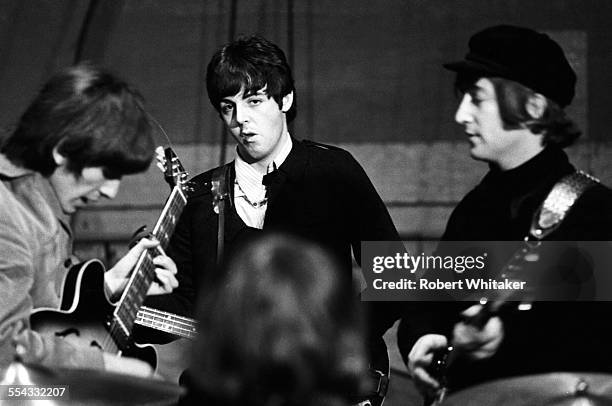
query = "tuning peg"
{"x": 189, "y": 187}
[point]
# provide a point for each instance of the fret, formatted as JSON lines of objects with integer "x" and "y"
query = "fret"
{"x": 173, "y": 320}
{"x": 143, "y": 275}
{"x": 168, "y": 322}
{"x": 169, "y": 328}
{"x": 167, "y": 221}
{"x": 141, "y": 279}
{"x": 172, "y": 316}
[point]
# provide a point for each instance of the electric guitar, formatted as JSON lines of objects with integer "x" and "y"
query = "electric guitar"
{"x": 85, "y": 310}
{"x": 492, "y": 303}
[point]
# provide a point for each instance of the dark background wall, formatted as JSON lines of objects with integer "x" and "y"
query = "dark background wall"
{"x": 366, "y": 70}
{"x": 368, "y": 76}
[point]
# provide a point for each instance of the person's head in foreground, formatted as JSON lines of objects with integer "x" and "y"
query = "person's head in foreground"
{"x": 281, "y": 328}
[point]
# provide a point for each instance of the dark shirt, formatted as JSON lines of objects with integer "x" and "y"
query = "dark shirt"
{"x": 553, "y": 336}
{"x": 320, "y": 193}
{"x": 502, "y": 206}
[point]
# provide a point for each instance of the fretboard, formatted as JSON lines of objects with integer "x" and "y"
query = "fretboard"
{"x": 122, "y": 323}
{"x": 168, "y": 322}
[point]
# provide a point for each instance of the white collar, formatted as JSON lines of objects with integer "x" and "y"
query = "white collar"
{"x": 247, "y": 174}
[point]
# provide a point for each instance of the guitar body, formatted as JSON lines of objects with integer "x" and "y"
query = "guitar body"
{"x": 85, "y": 312}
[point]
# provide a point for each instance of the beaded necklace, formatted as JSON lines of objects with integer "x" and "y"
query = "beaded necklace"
{"x": 256, "y": 205}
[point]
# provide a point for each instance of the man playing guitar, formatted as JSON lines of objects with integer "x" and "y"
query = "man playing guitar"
{"x": 83, "y": 132}
{"x": 515, "y": 84}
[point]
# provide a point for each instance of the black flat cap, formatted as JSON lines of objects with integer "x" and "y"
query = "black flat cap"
{"x": 523, "y": 55}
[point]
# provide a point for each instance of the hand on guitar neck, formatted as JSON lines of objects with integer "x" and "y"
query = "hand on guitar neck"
{"x": 116, "y": 278}
{"x": 476, "y": 337}
{"x": 85, "y": 310}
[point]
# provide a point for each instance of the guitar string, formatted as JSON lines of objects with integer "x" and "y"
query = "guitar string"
{"x": 129, "y": 312}
{"x": 183, "y": 332}
{"x": 110, "y": 340}
{"x": 164, "y": 320}
{"x": 140, "y": 282}
{"x": 167, "y": 326}
{"x": 150, "y": 310}
{"x": 128, "y": 308}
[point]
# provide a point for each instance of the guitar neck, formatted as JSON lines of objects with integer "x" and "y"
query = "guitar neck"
{"x": 167, "y": 322}
{"x": 143, "y": 275}
{"x": 491, "y": 305}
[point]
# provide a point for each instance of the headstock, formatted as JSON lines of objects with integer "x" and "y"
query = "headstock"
{"x": 174, "y": 172}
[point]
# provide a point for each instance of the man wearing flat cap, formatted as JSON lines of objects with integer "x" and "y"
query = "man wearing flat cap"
{"x": 515, "y": 84}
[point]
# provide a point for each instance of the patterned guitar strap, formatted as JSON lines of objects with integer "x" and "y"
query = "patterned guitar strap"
{"x": 549, "y": 217}
{"x": 558, "y": 204}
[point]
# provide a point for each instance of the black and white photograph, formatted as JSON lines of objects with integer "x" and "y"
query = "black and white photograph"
{"x": 306, "y": 202}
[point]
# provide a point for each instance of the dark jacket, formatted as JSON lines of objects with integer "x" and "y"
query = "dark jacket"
{"x": 320, "y": 193}
{"x": 553, "y": 336}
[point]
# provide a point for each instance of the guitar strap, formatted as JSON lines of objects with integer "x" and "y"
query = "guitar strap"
{"x": 547, "y": 218}
{"x": 220, "y": 194}
{"x": 558, "y": 203}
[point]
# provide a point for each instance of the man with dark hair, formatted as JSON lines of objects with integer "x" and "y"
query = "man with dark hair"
{"x": 275, "y": 182}
{"x": 305, "y": 341}
{"x": 515, "y": 84}
{"x": 83, "y": 132}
